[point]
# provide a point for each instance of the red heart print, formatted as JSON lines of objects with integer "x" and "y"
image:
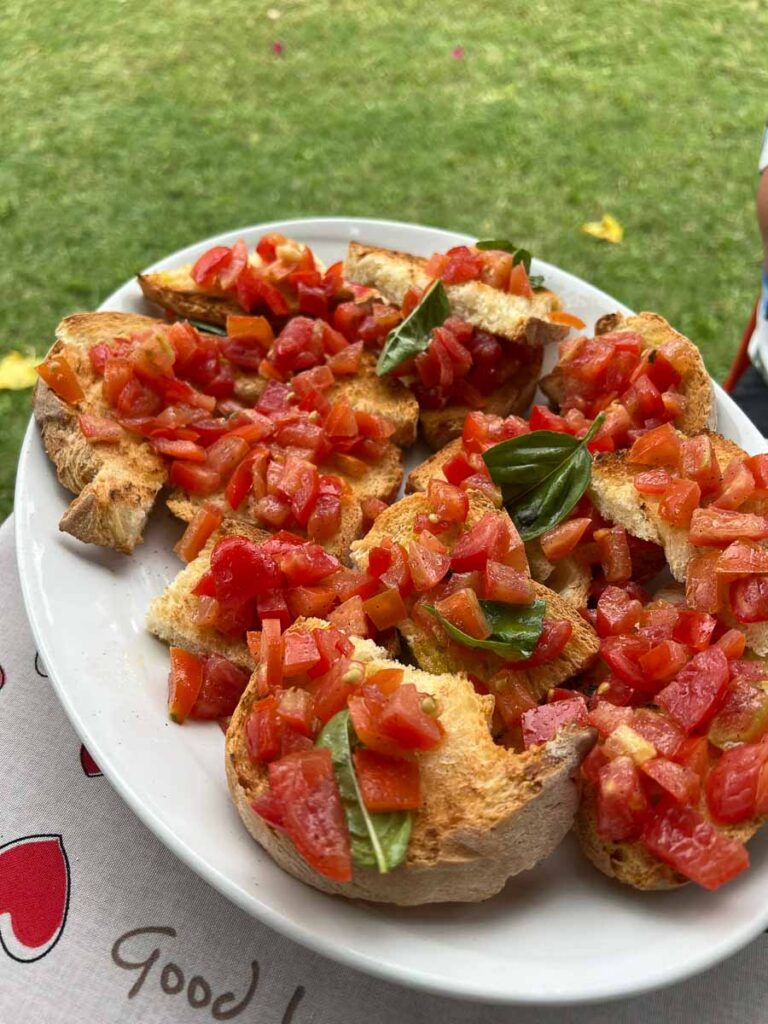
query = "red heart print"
{"x": 88, "y": 765}
{"x": 34, "y": 895}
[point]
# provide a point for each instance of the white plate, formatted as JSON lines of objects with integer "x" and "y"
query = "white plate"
{"x": 559, "y": 934}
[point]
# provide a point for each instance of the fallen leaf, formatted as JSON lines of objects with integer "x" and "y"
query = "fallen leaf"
{"x": 273, "y": 14}
{"x": 607, "y": 229}
{"x": 17, "y": 371}
{"x": 457, "y": 52}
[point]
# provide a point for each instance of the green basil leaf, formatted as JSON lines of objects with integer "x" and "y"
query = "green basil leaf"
{"x": 524, "y": 257}
{"x": 415, "y": 332}
{"x": 499, "y": 244}
{"x": 516, "y": 628}
{"x": 208, "y": 328}
{"x": 376, "y": 840}
{"x": 542, "y": 475}
{"x": 536, "y": 281}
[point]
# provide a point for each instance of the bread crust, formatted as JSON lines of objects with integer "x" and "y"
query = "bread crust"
{"x": 700, "y": 412}
{"x": 397, "y": 523}
{"x": 115, "y": 484}
{"x": 175, "y": 290}
{"x": 488, "y": 813}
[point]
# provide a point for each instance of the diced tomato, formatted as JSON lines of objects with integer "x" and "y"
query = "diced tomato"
{"x": 310, "y": 602}
{"x": 519, "y": 283}
{"x": 617, "y": 612}
{"x": 732, "y": 643}
{"x": 325, "y": 518}
{"x": 702, "y": 591}
{"x": 542, "y": 723}
{"x": 206, "y": 520}
{"x": 758, "y": 467}
{"x": 622, "y": 807}
{"x": 173, "y": 449}
{"x": 488, "y": 538}
{"x": 562, "y": 539}
{"x": 262, "y": 731}
{"x": 427, "y": 566}
{"x": 208, "y": 266}
{"x": 396, "y": 573}
{"x": 447, "y": 501}
{"x": 405, "y": 722}
{"x": 304, "y": 785}
{"x": 652, "y": 481}
{"x": 659, "y": 729}
{"x": 605, "y": 716}
{"x": 743, "y": 558}
{"x": 738, "y": 486}
{"x": 694, "y": 629}
{"x": 462, "y": 609}
{"x": 386, "y": 609}
{"x": 559, "y": 316}
{"x": 195, "y": 478}
{"x": 555, "y": 636}
{"x": 58, "y": 374}
{"x": 663, "y": 661}
{"x": 749, "y": 599}
{"x": 386, "y": 679}
{"x": 698, "y": 462}
{"x": 503, "y": 583}
{"x": 697, "y": 691}
{"x": 719, "y": 527}
{"x": 184, "y": 682}
{"x": 679, "y": 501}
{"x": 614, "y": 553}
{"x": 350, "y": 617}
{"x": 542, "y": 418}
{"x": 743, "y": 717}
{"x": 387, "y": 783}
{"x": 622, "y": 655}
{"x": 732, "y": 783}
{"x": 659, "y": 447}
{"x": 300, "y": 652}
{"x": 242, "y": 570}
{"x": 512, "y": 697}
{"x": 101, "y": 428}
{"x": 222, "y": 687}
{"x": 680, "y": 837}
{"x": 306, "y": 564}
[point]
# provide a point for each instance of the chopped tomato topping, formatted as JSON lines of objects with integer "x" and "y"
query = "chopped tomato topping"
{"x": 562, "y": 539}
{"x": 680, "y": 837}
{"x": 386, "y": 783}
{"x": 718, "y": 528}
{"x": 697, "y": 691}
{"x": 58, "y": 374}
{"x": 542, "y": 723}
{"x": 184, "y": 682}
{"x": 205, "y": 521}
{"x": 462, "y": 609}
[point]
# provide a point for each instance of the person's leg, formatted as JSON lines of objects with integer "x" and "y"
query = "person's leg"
{"x": 751, "y": 394}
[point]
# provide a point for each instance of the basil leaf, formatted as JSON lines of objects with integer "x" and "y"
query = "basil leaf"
{"x": 542, "y": 475}
{"x": 516, "y": 628}
{"x": 208, "y": 328}
{"x": 536, "y": 281}
{"x": 376, "y": 840}
{"x": 415, "y": 332}
{"x": 499, "y": 244}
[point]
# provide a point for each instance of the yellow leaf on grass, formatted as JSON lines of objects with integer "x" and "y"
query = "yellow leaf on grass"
{"x": 608, "y": 229}
{"x": 17, "y": 371}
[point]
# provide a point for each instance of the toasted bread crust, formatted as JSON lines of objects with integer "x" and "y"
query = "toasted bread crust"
{"x": 509, "y": 316}
{"x": 175, "y": 290}
{"x": 116, "y": 484}
{"x": 488, "y": 813}
{"x": 696, "y": 385}
{"x": 397, "y": 522}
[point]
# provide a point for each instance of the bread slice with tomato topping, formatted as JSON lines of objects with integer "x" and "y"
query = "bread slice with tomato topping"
{"x": 695, "y": 385}
{"x": 115, "y": 484}
{"x": 508, "y": 316}
{"x": 485, "y": 813}
{"x": 430, "y": 646}
{"x": 177, "y": 291}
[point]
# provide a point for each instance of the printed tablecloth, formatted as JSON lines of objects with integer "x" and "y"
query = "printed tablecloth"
{"x": 101, "y": 923}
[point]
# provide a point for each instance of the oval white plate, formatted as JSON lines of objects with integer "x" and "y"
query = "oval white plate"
{"x": 558, "y": 934}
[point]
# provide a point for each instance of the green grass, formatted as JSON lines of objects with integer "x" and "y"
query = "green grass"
{"x": 131, "y": 129}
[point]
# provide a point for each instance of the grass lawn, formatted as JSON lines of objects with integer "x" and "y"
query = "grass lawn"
{"x": 131, "y": 129}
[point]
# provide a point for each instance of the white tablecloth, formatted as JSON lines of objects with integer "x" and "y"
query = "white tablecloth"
{"x": 100, "y": 923}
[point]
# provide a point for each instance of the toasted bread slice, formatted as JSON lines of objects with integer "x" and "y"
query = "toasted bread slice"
{"x": 397, "y": 522}
{"x": 116, "y": 484}
{"x": 614, "y": 496}
{"x": 418, "y": 479}
{"x": 512, "y": 317}
{"x": 696, "y": 385}
{"x": 440, "y": 426}
{"x": 365, "y": 391}
{"x": 171, "y": 616}
{"x": 487, "y": 813}
{"x": 175, "y": 290}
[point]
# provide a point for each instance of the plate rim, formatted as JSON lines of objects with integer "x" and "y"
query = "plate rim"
{"x": 348, "y": 955}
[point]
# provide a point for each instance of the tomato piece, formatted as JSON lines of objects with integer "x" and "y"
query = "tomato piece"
{"x": 605, "y": 716}
{"x": 758, "y": 467}
{"x": 519, "y": 283}
{"x": 386, "y": 609}
{"x": 562, "y": 539}
{"x": 387, "y": 783}
{"x": 262, "y": 731}
{"x": 512, "y": 698}
{"x": 184, "y": 682}
{"x": 325, "y": 518}
{"x": 462, "y": 609}
{"x": 697, "y": 691}
{"x": 194, "y": 478}
{"x": 204, "y": 522}
{"x": 346, "y": 361}
{"x": 405, "y": 722}
{"x": 622, "y": 807}
{"x": 242, "y": 570}
{"x": 659, "y": 447}
{"x": 702, "y": 591}
{"x": 559, "y": 316}
{"x": 732, "y": 643}
{"x": 749, "y": 599}
{"x": 350, "y": 617}
{"x": 222, "y": 687}
{"x": 304, "y": 786}
{"x": 743, "y": 558}
{"x": 488, "y": 538}
{"x": 614, "y": 553}
{"x": 207, "y": 267}
{"x": 447, "y": 501}
{"x": 663, "y": 661}
{"x": 743, "y": 717}
{"x": 660, "y": 730}
{"x": 100, "y": 428}
{"x": 542, "y": 723}
{"x": 173, "y": 449}
{"x": 306, "y": 564}
{"x": 652, "y": 481}
{"x": 300, "y": 653}
{"x": 622, "y": 655}
{"x": 694, "y": 629}
{"x": 617, "y": 612}
{"x": 506, "y": 584}
{"x": 712, "y": 527}
{"x": 679, "y": 501}
{"x": 737, "y": 487}
{"x": 396, "y": 573}
{"x": 680, "y": 837}
{"x": 698, "y": 462}
{"x": 555, "y": 636}
{"x": 427, "y": 567}
{"x": 58, "y": 374}
{"x": 732, "y": 782}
